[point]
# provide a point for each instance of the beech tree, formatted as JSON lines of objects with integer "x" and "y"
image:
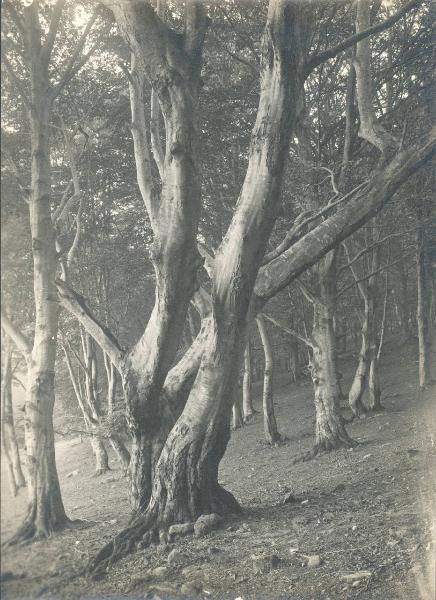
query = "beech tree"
{"x": 184, "y": 482}
{"x": 38, "y": 92}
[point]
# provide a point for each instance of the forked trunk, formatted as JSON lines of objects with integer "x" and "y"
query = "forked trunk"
{"x": 185, "y": 479}
{"x": 272, "y": 435}
{"x": 247, "y": 398}
{"x": 8, "y": 434}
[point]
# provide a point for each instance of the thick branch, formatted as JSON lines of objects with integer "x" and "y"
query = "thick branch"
{"x": 328, "y": 234}
{"x": 76, "y": 305}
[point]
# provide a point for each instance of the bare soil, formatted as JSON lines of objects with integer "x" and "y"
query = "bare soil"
{"x": 372, "y": 508}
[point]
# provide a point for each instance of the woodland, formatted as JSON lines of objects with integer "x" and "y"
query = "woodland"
{"x": 218, "y": 249}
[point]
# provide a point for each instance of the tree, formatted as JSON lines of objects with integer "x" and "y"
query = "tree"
{"x": 46, "y": 511}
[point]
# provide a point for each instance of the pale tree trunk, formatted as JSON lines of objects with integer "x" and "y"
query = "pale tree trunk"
{"x": 46, "y": 511}
{"x": 247, "y": 391}
{"x": 8, "y": 434}
{"x": 293, "y": 360}
{"x": 272, "y": 435}
{"x": 237, "y": 419}
{"x": 355, "y": 395}
{"x": 330, "y": 432}
{"x": 115, "y": 438}
{"x": 402, "y": 302}
{"x": 424, "y": 286}
{"x": 374, "y": 387}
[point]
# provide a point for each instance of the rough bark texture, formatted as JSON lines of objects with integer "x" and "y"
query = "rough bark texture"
{"x": 185, "y": 481}
{"x": 272, "y": 435}
{"x": 8, "y": 434}
{"x": 330, "y": 432}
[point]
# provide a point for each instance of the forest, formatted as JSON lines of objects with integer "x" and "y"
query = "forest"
{"x": 218, "y": 300}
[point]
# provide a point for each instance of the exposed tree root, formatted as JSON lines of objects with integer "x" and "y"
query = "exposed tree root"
{"x": 327, "y": 445}
{"x": 101, "y": 471}
{"x": 145, "y": 528}
{"x": 29, "y": 531}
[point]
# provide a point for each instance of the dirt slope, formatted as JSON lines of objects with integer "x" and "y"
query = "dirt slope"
{"x": 370, "y": 509}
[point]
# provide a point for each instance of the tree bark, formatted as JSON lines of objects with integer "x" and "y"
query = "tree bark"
{"x": 247, "y": 398}
{"x": 355, "y": 395}
{"x": 8, "y": 434}
{"x": 272, "y": 435}
{"x": 424, "y": 286}
{"x": 330, "y": 432}
{"x": 185, "y": 478}
{"x": 46, "y": 512}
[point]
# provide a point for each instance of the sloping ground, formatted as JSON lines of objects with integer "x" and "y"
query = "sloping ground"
{"x": 369, "y": 509}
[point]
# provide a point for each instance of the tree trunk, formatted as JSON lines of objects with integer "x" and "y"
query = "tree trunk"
{"x": 185, "y": 479}
{"x": 46, "y": 511}
{"x": 355, "y": 395}
{"x": 101, "y": 457}
{"x": 272, "y": 435}
{"x": 293, "y": 360}
{"x": 237, "y": 420}
{"x": 374, "y": 390}
{"x": 121, "y": 451}
{"x": 330, "y": 432}
{"x": 8, "y": 434}
{"x": 423, "y": 316}
{"x": 247, "y": 398}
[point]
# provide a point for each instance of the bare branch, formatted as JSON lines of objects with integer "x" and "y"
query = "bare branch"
{"x": 288, "y": 330}
{"x": 73, "y": 67}
{"x": 16, "y": 81}
{"x": 322, "y": 57}
{"x": 76, "y": 305}
{"x": 19, "y": 339}
{"x": 47, "y": 47}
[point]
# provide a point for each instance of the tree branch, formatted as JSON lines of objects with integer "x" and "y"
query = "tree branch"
{"x": 72, "y": 68}
{"x": 47, "y": 47}
{"x": 322, "y": 57}
{"x": 76, "y": 305}
{"x": 19, "y": 339}
{"x": 314, "y": 245}
{"x": 288, "y": 330}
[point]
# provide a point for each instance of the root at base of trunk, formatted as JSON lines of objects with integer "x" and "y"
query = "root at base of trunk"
{"x": 146, "y": 527}
{"x": 327, "y": 445}
{"x": 29, "y": 531}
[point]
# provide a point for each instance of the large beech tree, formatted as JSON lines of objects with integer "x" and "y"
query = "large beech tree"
{"x": 180, "y": 415}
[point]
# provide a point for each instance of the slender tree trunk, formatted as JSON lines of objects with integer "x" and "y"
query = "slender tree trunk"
{"x": 293, "y": 360}
{"x": 247, "y": 392}
{"x": 403, "y": 304}
{"x": 423, "y": 316}
{"x": 355, "y": 395}
{"x": 272, "y": 435}
{"x": 46, "y": 511}
{"x": 237, "y": 420}
{"x": 330, "y": 432}
{"x": 8, "y": 434}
